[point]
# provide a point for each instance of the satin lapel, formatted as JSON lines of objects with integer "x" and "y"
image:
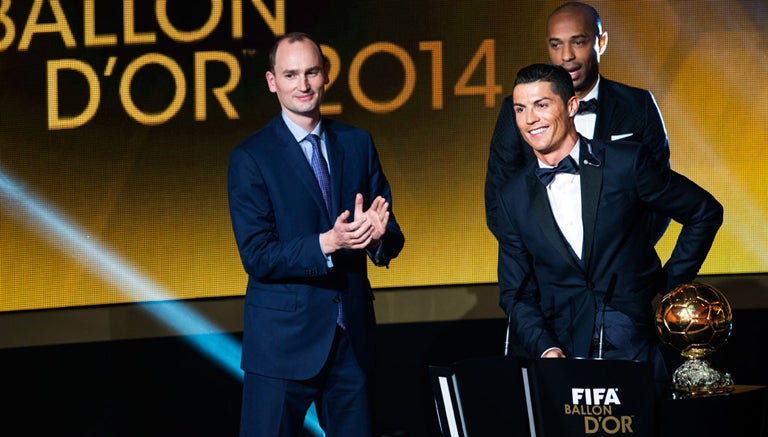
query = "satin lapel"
{"x": 298, "y": 164}
{"x": 606, "y": 106}
{"x": 591, "y": 187}
{"x": 542, "y": 213}
{"x": 336, "y": 164}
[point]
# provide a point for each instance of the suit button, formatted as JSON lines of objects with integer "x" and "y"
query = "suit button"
{"x": 336, "y": 299}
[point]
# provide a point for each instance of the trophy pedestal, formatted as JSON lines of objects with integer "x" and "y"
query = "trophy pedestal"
{"x": 695, "y": 377}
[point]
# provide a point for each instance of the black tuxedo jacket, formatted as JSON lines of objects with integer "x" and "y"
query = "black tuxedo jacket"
{"x": 621, "y": 180}
{"x": 277, "y": 213}
{"x": 623, "y": 113}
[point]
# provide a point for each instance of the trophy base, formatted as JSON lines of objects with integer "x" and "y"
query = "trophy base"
{"x": 696, "y": 378}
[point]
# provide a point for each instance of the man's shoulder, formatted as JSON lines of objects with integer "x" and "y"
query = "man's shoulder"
{"x": 341, "y": 128}
{"x": 346, "y": 137}
{"x": 622, "y": 91}
{"x": 264, "y": 137}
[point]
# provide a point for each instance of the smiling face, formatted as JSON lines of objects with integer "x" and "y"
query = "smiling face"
{"x": 573, "y": 44}
{"x": 544, "y": 120}
{"x": 299, "y": 80}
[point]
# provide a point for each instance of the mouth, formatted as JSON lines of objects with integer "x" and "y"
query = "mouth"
{"x": 573, "y": 70}
{"x": 537, "y": 131}
{"x": 305, "y": 97}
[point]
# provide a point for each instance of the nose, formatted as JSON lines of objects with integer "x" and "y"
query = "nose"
{"x": 567, "y": 53}
{"x": 531, "y": 117}
{"x": 304, "y": 83}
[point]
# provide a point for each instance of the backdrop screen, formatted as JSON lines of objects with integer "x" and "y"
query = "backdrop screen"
{"x": 117, "y": 119}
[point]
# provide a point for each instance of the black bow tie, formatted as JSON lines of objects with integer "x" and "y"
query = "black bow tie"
{"x": 587, "y": 107}
{"x": 547, "y": 175}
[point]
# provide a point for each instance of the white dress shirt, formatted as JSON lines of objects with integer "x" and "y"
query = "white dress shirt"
{"x": 585, "y": 123}
{"x": 565, "y": 200}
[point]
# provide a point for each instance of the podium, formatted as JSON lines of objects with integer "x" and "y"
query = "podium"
{"x": 508, "y": 397}
{"x": 590, "y": 397}
{"x": 480, "y": 397}
{"x": 544, "y": 397}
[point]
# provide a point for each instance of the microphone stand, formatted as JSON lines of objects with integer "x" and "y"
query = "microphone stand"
{"x": 515, "y": 300}
{"x": 606, "y": 300}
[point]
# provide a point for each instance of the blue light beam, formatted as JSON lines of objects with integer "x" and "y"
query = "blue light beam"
{"x": 225, "y": 351}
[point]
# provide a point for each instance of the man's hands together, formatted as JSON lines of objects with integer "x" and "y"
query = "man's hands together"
{"x": 365, "y": 230}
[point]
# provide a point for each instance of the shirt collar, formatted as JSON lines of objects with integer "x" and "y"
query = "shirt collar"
{"x": 298, "y": 132}
{"x": 574, "y": 154}
{"x": 592, "y": 94}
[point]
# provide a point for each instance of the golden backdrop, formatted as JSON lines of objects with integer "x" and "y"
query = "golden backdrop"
{"x": 117, "y": 118}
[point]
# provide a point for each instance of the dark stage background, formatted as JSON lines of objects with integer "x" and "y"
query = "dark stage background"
{"x": 162, "y": 386}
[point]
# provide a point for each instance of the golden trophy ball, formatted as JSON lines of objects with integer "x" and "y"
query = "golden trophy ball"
{"x": 695, "y": 319}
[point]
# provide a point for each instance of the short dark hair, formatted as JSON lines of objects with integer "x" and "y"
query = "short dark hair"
{"x": 292, "y": 37}
{"x": 571, "y": 6}
{"x": 561, "y": 81}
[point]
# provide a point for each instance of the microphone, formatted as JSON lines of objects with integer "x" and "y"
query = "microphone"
{"x": 588, "y": 162}
{"x": 515, "y": 300}
{"x": 597, "y": 162}
{"x": 606, "y": 301}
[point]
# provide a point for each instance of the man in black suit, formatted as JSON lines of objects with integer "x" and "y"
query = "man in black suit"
{"x": 310, "y": 205}
{"x": 574, "y": 247}
{"x": 575, "y": 41}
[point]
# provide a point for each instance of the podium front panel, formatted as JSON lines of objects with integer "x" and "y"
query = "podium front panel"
{"x": 585, "y": 397}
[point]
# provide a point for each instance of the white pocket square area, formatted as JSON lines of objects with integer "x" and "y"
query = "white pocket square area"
{"x": 620, "y": 136}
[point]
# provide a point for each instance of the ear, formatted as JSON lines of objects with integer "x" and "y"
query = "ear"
{"x": 573, "y": 106}
{"x": 602, "y": 43}
{"x": 271, "y": 82}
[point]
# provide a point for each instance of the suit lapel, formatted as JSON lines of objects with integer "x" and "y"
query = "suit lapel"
{"x": 297, "y": 163}
{"x": 336, "y": 164}
{"x": 542, "y": 212}
{"x": 606, "y": 106}
{"x": 591, "y": 186}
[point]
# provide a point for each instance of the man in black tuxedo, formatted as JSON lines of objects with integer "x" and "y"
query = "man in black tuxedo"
{"x": 574, "y": 246}
{"x": 575, "y": 41}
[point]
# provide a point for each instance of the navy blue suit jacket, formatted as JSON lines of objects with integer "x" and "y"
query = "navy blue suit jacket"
{"x": 619, "y": 183}
{"x": 623, "y": 112}
{"x": 277, "y": 213}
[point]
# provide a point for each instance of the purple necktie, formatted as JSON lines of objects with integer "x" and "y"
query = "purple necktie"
{"x": 320, "y": 167}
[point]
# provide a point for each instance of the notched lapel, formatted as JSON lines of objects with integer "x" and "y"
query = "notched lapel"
{"x": 336, "y": 164}
{"x": 298, "y": 164}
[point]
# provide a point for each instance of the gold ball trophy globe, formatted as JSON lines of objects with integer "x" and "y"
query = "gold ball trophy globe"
{"x": 695, "y": 319}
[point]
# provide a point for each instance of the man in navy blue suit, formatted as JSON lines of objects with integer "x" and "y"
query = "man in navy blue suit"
{"x": 576, "y": 40}
{"x": 574, "y": 246}
{"x": 309, "y": 205}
